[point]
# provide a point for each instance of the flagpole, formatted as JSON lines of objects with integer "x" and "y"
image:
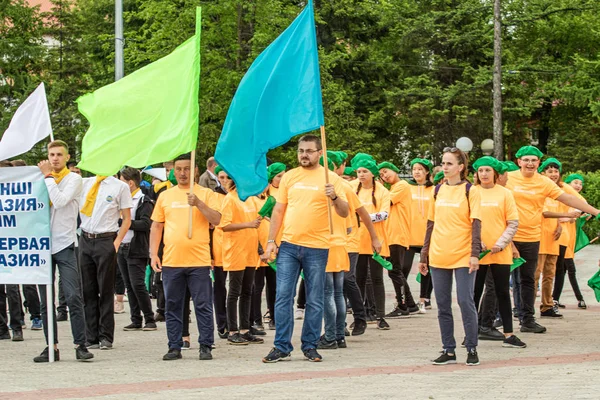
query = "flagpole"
{"x": 192, "y": 185}
{"x": 326, "y": 165}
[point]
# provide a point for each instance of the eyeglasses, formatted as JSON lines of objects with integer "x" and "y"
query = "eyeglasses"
{"x": 450, "y": 150}
{"x": 529, "y": 160}
{"x": 310, "y": 152}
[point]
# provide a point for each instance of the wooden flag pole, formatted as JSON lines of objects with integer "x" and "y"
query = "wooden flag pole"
{"x": 192, "y": 184}
{"x": 326, "y": 165}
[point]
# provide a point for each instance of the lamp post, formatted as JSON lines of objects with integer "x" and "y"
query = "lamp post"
{"x": 487, "y": 147}
{"x": 465, "y": 144}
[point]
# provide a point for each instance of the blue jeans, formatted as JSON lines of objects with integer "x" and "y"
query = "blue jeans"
{"x": 291, "y": 259}
{"x": 335, "y": 306}
{"x": 197, "y": 280}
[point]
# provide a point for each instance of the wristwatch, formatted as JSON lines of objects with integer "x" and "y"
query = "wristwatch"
{"x": 271, "y": 241}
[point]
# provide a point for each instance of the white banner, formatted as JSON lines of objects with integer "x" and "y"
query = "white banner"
{"x": 25, "y": 256}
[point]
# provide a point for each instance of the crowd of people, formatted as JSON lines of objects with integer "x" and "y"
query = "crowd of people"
{"x": 334, "y": 223}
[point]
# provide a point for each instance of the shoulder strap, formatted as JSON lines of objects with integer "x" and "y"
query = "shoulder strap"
{"x": 468, "y": 189}
{"x": 436, "y": 190}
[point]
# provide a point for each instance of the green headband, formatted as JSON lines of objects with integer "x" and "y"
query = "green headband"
{"x": 547, "y": 163}
{"x": 426, "y": 163}
{"x": 349, "y": 171}
{"x": 487, "y": 161}
{"x": 218, "y": 169}
{"x": 511, "y": 166}
{"x": 438, "y": 177}
{"x": 274, "y": 169}
{"x": 529, "y": 151}
{"x": 388, "y": 165}
{"x": 368, "y": 164}
{"x": 573, "y": 177}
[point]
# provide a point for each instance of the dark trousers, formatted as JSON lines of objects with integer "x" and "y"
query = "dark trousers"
{"x": 133, "y": 272}
{"x": 271, "y": 292}
{"x": 365, "y": 265}
{"x": 397, "y": 254}
{"x": 239, "y": 299}
{"x": 119, "y": 282}
{"x": 187, "y": 312}
{"x": 568, "y": 265}
{"x": 220, "y": 295}
{"x": 176, "y": 281}
{"x": 98, "y": 262}
{"x": 489, "y": 304}
{"x": 68, "y": 270}
{"x": 407, "y": 263}
{"x": 160, "y": 293}
{"x": 32, "y": 301}
{"x": 501, "y": 283}
{"x": 260, "y": 276}
{"x": 528, "y": 251}
{"x": 9, "y": 295}
{"x": 352, "y": 292}
{"x": 62, "y": 300}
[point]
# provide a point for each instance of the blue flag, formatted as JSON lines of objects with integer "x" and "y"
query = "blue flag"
{"x": 278, "y": 98}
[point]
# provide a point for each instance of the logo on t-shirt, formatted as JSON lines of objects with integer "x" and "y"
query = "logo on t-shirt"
{"x": 303, "y": 186}
{"x": 417, "y": 197}
{"x": 489, "y": 204}
{"x": 109, "y": 199}
{"x": 179, "y": 204}
{"x": 520, "y": 189}
{"x": 446, "y": 203}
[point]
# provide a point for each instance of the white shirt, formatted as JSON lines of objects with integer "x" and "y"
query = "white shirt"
{"x": 136, "y": 200}
{"x": 113, "y": 196}
{"x": 214, "y": 177}
{"x": 64, "y": 211}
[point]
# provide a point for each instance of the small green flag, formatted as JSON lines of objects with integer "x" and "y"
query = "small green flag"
{"x": 149, "y": 116}
{"x": 273, "y": 265}
{"x": 517, "y": 262}
{"x": 484, "y": 253}
{"x": 267, "y": 208}
{"x": 581, "y": 239}
{"x": 147, "y": 278}
{"x": 384, "y": 263}
{"x": 419, "y": 276}
{"x": 594, "y": 283}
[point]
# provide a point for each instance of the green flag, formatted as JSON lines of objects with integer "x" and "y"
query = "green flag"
{"x": 150, "y": 116}
{"x": 594, "y": 283}
{"x": 581, "y": 239}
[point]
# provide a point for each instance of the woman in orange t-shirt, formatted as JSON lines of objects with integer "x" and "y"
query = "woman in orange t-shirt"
{"x": 220, "y": 287}
{"x": 240, "y": 223}
{"x": 499, "y": 222}
{"x": 452, "y": 245}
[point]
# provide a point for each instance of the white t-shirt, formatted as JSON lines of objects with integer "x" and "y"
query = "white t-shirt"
{"x": 65, "y": 208}
{"x": 136, "y": 201}
{"x": 113, "y": 196}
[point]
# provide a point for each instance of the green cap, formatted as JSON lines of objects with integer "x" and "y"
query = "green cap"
{"x": 529, "y": 151}
{"x": 361, "y": 156}
{"x": 511, "y": 166}
{"x": 343, "y": 155}
{"x": 503, "y": 168}
{"x": 274, "y": 169}
{"x": 388, "y": 165}
{"x": 488, "y": 161}
{"x": 333, "y": 156}
{"x": 218, "y": 169}
{"x": 349, "y": 171}
{"x": 426, "y": 163}
{"x": 438, "y": 177}
{"x": 330, "y": 163}
{"x": 548, "y": 162}
{"x": 362, "y": 160}
{"x": 172, "y": 178}
{"x": 573, "y": 177}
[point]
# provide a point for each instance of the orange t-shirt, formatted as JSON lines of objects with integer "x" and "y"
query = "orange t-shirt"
{"x": 530, "y": 195}
{"x": 382, "y": 197}
{"x": 548, "y": 245}
{"x": 240, "y": 248}
{"x": 338, "y": 259}
{"x": 306, "y": 220}
{"x": 172, "y": 209}
{"x": 421, "y": 197}
{"x": 217, "y": 242}
{"x": 398, "y": 223}
{"x": 452, "y": 214}
{"x": 571, "y": 226}
{"x": 353, "y": 239}
{"x": 497, "y": 206}
{"x": 263, "y": 229}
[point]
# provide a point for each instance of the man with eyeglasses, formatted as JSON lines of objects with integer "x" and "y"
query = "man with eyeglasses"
{"x": 302, "y": 209}
{"x": 530, "y": 190}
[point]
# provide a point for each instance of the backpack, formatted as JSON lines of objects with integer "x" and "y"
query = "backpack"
{"x": 467, "y": 190}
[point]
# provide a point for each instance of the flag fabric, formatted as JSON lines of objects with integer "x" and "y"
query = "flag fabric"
{"x": 149, "y": 116}
{"x": 594, "y": 283}
{"x": 29, "y": 125}
{"x": 278, "y": 98}
{"x": 581, "y": 239}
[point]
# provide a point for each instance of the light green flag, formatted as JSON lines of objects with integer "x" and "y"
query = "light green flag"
{"x": 149, "y": 116}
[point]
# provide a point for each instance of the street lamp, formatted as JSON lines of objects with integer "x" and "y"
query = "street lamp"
{"x": 487, "y": 147}
{"x": 465, "y": 144}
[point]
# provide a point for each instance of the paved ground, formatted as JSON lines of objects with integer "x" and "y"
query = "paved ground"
{"x": 565, "y": 362}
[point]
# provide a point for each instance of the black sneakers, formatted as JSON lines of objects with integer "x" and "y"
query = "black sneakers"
{"x": 237, "y": 340}
{"x": 105, "y": 345}
{"x": 445, "y": 359}
{"x": 359, "y": 327}
{"x": 158, "y": 317}
{"x": 513, "y": 341}
{"x": 341, "y": 343}
{"x": 382, "y": 325}
{"x": 150, "y": 326}
{"x": 45, "y": 356}
{"x": 133, "y": 327}
{"x": 550, "y": 313}
{"x": 427, "y": 304}
{"x": 312, "y": 355}
{"x": 61, "y": 317}
{"x": 472, "y": 358}
{"x": 486, "y": 333}
{"x": 581, "y": 304}
{"x": 17, "y": 336}
{"x": 532, "y": 327}
{"x": 398, "y": 313}
{"x": 205, "y": 352}
{"x": 250, "y": 338}
{"x": 224, "y": 334}
{"x": 256, "y": 331}
{"x": 275, "y": 355}
{"x": 413, "y": 310}
{"x": 173, "y": 354}
{"x": 325, "y": 344}
{"x": 82, "y": 353}
{"x": 5, "y": 336}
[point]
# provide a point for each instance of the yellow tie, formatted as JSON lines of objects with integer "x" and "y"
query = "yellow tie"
{"x": 134, "y": 192}
{"x": 90, "y": 199}
{"x": 58, "y": 176}
{"x": 166, "y": 184}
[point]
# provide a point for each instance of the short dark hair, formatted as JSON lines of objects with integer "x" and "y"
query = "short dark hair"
{"x": 71, "y": 164}
{"x": 184, "y": 156}
{"x": 312, "y": 138}
{"x": 131, "y": 174}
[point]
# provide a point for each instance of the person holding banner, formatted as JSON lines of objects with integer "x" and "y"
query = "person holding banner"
{"x": 64, "y": 189}
{"x": 186, "y": 262}
{"x": 104, "y": 201}
{"x": 305, "y": 199}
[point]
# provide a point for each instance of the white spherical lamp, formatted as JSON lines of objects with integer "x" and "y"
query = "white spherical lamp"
{"x": 487, "y": 147}
{"x": 465, "y": 144}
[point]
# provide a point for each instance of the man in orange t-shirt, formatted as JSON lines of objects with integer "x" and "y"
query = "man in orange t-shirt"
{"x": 304, "y": 198}
{"x": 186, "y": 262}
